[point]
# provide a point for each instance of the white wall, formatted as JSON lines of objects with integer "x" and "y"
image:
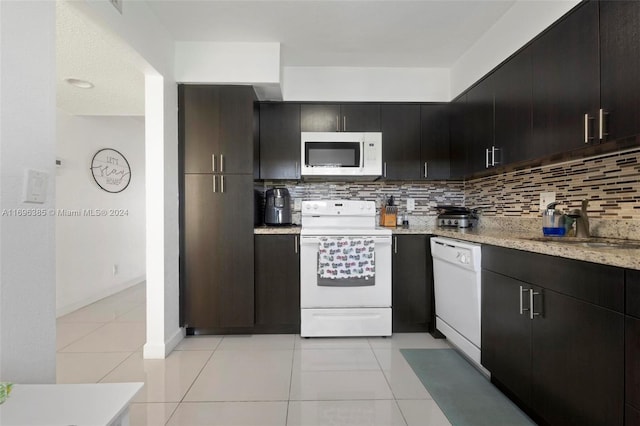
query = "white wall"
{"x": 27, "y": 141}
{"x": 345, "y": 84}
{"x": 87, "y": 247}
{"x": 519, "y": 25}
{"x": 153, "y": 51}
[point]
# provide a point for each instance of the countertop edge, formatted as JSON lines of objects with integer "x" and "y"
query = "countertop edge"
{"x": 623, "y": 258}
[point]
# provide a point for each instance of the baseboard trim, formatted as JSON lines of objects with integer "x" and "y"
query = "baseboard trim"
{"x": 67, "y": 309}
{"x": 155, "y": 351}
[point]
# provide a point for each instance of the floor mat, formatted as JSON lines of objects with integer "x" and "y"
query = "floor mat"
{"x": 465, "y": 396}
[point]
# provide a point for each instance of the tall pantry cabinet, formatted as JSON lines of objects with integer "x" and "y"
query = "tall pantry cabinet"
{"x": 216, "y": 140}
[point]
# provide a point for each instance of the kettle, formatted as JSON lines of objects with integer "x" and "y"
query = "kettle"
{"x": 553, "y": 221}
{"x": 277, "y": 209}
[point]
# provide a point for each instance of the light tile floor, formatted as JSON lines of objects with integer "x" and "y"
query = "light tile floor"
{"x": 246, "y": 380}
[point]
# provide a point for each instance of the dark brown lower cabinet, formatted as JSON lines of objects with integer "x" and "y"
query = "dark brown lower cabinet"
{"x": 632, "y": 348}
{"x": 412, "y": 283}
{"x": 217, "y": 240}
{"x": 277, "y": 283}
{"x": 565, "y": 366}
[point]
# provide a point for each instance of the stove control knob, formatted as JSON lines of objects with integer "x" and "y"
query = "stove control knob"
{"x": 449, "y": 222}
{"x": 455, "y": 222}
{"x": 361, "y": 206}
{"x": 315, "y": 207}
{"x": 368, "y": 206}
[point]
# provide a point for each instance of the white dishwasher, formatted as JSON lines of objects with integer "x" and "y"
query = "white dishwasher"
{"x": 457, "y": 286}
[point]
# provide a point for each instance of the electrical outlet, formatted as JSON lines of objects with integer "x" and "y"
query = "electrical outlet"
{"x": 297, "y": 204}
{"x": 546, "y": 198}
{"x": 411, "y": 204}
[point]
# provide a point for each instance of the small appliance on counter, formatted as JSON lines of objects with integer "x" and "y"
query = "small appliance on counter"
{"x": 457, "y": 217}
{"x": 553, "y": 221}
{"x": 277, "y": 210}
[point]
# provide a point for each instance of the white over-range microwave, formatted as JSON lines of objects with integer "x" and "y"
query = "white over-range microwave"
{"x": 341, "y": 155}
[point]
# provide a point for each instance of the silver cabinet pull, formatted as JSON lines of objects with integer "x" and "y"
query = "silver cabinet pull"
{"x": 384, "y": 170}
{"x": 425, "y": 169}
{"x": 522, "y": 308}
{"x": 221, "y": 163}
{"x": 587, "y": 133}
{"x": 295, "y": 172}
{"x": 337, "y": 123}
{"x": 395, "y": 245}
{"x": 221, "y": 183}
{"x": 601, "y": 132}
{"x": 486, "y": 161}
{"x": 532, "y": 312}
{"x": 493, "y": 156}
{"x": 586, "y": 128}
{"x": 213, "y": 163}
{"x": 215, "y": 187}
{"x": 295, "y": 244}
{"x": 344, "y": 123}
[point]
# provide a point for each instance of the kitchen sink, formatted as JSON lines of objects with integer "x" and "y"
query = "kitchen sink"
{"x": 605, "y": 243}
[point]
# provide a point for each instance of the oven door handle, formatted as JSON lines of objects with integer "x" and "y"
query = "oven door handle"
{"x": 382, "y": 240}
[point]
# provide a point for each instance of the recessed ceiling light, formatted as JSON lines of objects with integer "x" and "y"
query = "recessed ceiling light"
{"x": 82, "y": 84}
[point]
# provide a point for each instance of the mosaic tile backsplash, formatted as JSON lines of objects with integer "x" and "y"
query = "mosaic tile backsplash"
{"x": 611, "y": 182}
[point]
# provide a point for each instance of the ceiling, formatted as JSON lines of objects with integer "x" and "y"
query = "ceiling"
{"x": 339, "y": 33}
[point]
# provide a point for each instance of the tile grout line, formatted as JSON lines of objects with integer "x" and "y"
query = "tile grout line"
{"x": 395, "y": 398}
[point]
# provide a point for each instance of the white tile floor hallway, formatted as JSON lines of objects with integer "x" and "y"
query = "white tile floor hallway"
{"x": 246, "y": 380}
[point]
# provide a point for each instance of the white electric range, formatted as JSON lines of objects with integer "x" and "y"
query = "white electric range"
{"x": 345, "y": 270}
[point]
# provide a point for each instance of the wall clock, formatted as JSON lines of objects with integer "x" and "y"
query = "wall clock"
{"x": 111, "y": 170}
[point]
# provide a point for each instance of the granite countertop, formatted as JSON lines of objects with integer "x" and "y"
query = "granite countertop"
{"x": 621, "y": 257}
{"x": 285, "y": 229}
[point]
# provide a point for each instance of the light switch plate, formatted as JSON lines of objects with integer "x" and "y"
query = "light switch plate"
{"x": 411, "y": 204}
{"x": 297, "y": 204}
{"x": 546, "y": 198}
{"x": 35, "y": 186}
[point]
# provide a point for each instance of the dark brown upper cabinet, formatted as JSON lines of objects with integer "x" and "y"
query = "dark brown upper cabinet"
{"x": 217, "y": 122}
{"x": 513, "y": 133}
{"x": 458, "y": 137}
{"x": 566, "y": 82}
{"x": 434, "y": 137}
{"x": 479, "y": 120}
{"x": 279, "y": 140}
{"x": 401, "y": 141}
{"x": 620, "y": 69}
{"x": 340, "y": 117}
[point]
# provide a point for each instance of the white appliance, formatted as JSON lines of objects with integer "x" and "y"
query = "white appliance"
{"x": 457, "y": 287}
{"x": 345, "y": 270}
{"x": 353, "y": 155}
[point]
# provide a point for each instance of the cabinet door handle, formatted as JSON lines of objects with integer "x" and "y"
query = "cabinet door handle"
{"x": 493, "y": 156}
{"x": 221, "y": 183}
{"x": 337, "y": 123}
{"x": 344, "y": 123}
{"x": 601, "y": 132}
{"x": 295, "y": 172}
{"x": 532, "y": 311}
{"x": 587, "y": 133}
{"x": 522, "y": 308}
{"x": 425, "y": 169}
{"x": 295, "y": 244}
{"x": 384, "y": 171}
{"x": 395, "y": 245}
{"x": 213, "y": 163}
{"x": 486, "y": 158}
{"x": 221, "y": 163}
{"x": 215, "y": 187}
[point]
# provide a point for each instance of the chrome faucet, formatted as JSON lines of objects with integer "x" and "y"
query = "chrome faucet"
{"x": 582, "y": 220}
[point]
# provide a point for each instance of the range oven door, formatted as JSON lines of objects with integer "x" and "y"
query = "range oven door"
{"x": 318, "y": 292}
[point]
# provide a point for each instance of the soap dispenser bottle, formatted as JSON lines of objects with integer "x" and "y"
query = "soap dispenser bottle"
{"x": 553, "y": 221}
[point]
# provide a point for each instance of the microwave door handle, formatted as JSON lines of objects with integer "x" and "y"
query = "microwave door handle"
{"x": 362, "y": 156}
